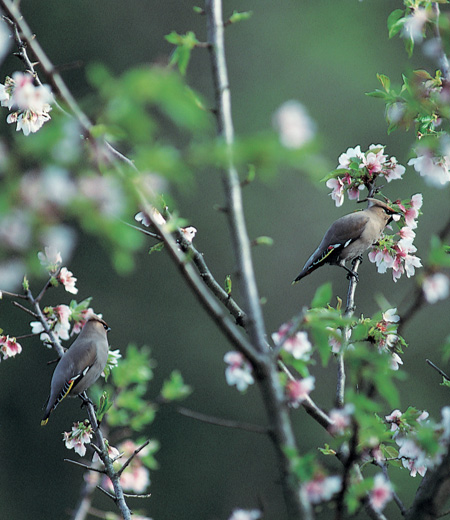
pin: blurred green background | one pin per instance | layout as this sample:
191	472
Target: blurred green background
325	54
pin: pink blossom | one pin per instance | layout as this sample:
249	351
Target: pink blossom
373	162
239	371
341	418
321	488
9	347
434	169
394	419
393	170
413	458
412	213
407	236
297	344
294	124
337	186
297	391
77	439
67	278
245	514
382	258
381	493
435	287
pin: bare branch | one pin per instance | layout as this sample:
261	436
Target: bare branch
128	461
90	468
443	374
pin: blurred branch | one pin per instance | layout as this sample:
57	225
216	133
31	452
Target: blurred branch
443	59
349	310
443	374
218	421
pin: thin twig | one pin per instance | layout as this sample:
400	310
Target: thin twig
107	493
128	461
443	374
90	468
28	311
227	423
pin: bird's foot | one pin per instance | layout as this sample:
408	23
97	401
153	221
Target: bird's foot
359	257
85	400
352	274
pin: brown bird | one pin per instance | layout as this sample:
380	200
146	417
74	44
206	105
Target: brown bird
348	237
81	365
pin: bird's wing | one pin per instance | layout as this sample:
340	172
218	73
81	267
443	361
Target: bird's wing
340	234
70	371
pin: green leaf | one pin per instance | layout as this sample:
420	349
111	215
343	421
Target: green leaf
239	17
438	256
174	389
395	22
156	248
182	54
266	241
228	284
385	82
322	296
104	405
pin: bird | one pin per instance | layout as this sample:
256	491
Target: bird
349	236
81	365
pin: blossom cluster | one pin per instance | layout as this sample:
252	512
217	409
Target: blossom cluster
416	456
396	252
358	170
246	514
78	437
321	488
29	104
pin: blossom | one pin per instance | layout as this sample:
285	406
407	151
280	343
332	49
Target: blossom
435	287
9	347
414	25
341	418
239	371
413	458
394	419
61	327
381	492
321	488
297	391
351	155
294	124
189	233
67	278
104	192
297	344
390	316
31	104
50	259
245	514
337	186
36	328
435	170
393	170
78	438
144	218
412	213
